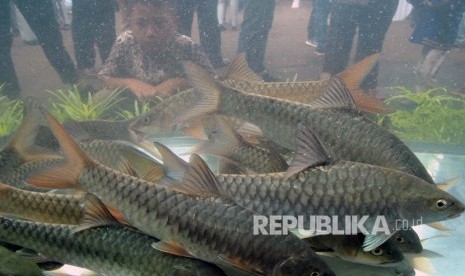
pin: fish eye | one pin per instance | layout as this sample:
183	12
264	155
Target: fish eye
441	204
146	120
377	252
400	239
315	273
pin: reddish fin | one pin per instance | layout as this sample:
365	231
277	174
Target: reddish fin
172	247
368	103
240	264
65	175
354	75
448	184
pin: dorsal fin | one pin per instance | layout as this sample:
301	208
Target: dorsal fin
336	95
239	70
175	167
309	151
95	214
141	165
200	180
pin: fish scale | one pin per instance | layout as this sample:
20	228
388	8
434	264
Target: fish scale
104	249
344	189
344	131
206	226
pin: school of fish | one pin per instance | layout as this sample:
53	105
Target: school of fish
107	197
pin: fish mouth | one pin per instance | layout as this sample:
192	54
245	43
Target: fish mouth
138	135
456	215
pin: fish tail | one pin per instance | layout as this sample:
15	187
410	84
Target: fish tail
23	141
66	174
353	77
208	89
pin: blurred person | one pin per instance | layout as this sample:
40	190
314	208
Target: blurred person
40	17
460	40
93	23
372	18
61	12
436	25
253	37
317	27
233	10
147	58
27	35
209	30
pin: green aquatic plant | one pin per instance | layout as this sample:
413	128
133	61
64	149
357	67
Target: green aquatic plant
11	115
65	105
139	108
432	116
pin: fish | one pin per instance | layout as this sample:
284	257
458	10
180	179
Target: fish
225	142
328	187
239	76
196	221
349	248
13	264
52	207
333	117
112	250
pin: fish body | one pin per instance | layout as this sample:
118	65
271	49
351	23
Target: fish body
342	129
49	207
302	92
102	129
197	221
342	189
112	250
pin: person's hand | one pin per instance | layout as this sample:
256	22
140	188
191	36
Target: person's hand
168	87
142	89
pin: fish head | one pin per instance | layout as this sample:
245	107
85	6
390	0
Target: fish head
407	240
387	254
428	203
151	124
305	266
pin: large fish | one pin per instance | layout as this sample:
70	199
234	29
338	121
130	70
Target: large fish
197	220
112	250
332	117
342	188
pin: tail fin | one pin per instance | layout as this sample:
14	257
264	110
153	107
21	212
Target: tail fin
65	175
209	92
23	140
353	77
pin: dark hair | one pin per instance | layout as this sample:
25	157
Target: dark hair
168	4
